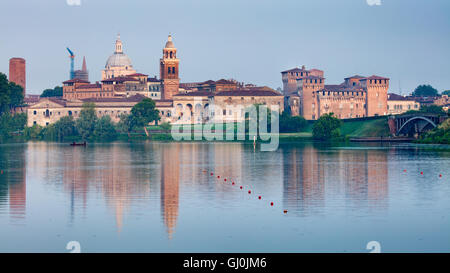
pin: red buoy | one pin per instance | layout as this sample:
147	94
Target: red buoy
232	183
404	171
285	211
259	197
241	187
225	179
271	203
218	176
440	175
2	172
212	174
249	192
421	172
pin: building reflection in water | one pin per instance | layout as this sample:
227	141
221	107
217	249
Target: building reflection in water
13	189
313	174
170	180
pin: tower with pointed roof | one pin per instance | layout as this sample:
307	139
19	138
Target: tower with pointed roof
169	70
82	74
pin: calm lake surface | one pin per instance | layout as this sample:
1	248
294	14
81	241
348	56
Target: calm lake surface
157	197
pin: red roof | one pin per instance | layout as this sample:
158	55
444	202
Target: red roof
121	79
76	81
138	75
248	92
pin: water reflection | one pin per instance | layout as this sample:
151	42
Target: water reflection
13	184
151	184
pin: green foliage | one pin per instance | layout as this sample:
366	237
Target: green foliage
433	109
11	123
34	132
290	124
85	124
165	126
439	135
144	112
60	130
55	92
327	127
446	92
125	125
425	91
104	129
11	95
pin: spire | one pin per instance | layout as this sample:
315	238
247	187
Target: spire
84	67
118	44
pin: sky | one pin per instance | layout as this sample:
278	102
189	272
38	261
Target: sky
251	41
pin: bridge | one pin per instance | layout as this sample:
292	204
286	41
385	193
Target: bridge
414	124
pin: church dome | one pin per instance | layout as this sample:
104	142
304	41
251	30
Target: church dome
118	59
169	43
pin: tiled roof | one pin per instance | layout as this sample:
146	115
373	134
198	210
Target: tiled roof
392	96
135	98
76	81
90	86
249	92
355	77
195	93
137	75
295	70
374	77
121	79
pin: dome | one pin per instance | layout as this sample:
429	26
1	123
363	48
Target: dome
169	43
118	59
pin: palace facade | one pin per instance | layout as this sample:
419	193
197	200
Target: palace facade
307	95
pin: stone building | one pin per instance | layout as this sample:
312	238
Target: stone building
397	104
17	72
356	97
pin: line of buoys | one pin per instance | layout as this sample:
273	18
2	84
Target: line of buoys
259	197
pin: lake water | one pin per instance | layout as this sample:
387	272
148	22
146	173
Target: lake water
161	197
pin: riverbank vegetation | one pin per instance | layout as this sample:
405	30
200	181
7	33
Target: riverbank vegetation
439	135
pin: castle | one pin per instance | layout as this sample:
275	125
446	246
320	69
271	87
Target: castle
307	95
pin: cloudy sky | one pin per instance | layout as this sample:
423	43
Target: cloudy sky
249	40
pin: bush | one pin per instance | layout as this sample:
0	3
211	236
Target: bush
327	127
104	129
289	124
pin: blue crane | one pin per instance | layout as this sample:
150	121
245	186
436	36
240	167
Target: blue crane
72	58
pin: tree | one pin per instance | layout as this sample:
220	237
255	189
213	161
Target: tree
435	109
290	124
65	127
446	92
55	92
12	123
104	128
425	91
125	124
85	124
327	127
144	112
11	95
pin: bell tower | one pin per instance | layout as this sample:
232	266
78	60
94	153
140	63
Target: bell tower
169	65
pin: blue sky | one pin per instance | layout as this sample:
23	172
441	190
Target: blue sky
249	40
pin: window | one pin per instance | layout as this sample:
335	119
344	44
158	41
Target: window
224	112
34	112
34	122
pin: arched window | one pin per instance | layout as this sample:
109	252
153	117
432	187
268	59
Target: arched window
171	54
168	70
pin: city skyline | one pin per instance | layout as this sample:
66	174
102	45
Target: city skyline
248	42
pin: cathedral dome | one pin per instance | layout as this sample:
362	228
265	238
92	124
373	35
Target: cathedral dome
118	59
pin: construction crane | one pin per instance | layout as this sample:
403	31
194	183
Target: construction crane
72	59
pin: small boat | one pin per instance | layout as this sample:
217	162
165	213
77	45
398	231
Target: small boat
78	144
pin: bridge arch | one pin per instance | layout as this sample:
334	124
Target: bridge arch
413	120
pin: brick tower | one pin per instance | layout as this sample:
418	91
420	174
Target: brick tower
169	65
17	73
